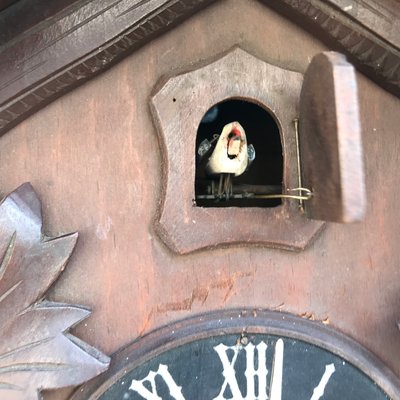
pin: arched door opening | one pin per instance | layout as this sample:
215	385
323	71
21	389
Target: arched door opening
260	136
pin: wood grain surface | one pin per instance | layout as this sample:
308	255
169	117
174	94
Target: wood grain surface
93	157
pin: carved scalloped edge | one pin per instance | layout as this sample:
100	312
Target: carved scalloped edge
78	71
370	53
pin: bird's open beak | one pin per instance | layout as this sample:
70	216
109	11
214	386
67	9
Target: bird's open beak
234	146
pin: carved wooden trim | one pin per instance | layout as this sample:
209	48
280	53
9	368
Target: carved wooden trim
381	17
48	63
35	351
6	3
20	16
372	54
65	51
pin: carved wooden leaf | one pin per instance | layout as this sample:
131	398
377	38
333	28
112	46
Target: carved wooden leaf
36	353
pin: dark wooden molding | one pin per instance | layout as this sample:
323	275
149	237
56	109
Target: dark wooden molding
381	17
28	15
66	50
69	51
376	55
36	352
6	3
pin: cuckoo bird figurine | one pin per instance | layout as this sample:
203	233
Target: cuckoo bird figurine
230	157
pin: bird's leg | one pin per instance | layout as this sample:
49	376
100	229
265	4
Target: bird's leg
226	183
227	186
212	187
227	189
220	186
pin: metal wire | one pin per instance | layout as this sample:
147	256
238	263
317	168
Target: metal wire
302	197
296	129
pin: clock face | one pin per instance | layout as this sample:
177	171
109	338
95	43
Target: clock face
273	356
246	367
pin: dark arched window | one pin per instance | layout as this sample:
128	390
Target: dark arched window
263	175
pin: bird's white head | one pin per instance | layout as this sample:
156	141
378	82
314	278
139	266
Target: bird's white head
230	153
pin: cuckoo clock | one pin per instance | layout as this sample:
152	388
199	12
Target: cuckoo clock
198	200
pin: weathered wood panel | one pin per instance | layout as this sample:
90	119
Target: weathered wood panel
94	159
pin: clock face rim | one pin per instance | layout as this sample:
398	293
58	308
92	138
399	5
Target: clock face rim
239	321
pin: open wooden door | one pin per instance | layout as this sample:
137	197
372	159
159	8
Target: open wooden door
330	140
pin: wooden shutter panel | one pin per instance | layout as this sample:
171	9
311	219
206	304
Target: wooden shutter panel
330	140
